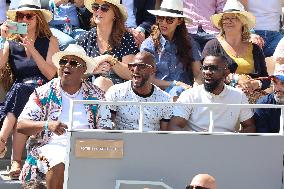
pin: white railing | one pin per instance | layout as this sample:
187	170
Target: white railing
211	121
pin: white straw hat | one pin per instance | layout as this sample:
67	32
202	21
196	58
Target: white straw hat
88	5
75	50
171	8
234	6
30	5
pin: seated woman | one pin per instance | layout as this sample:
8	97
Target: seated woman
29	56
109	40
246	60
46	115
177	56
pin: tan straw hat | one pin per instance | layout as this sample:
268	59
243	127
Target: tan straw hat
171	8
234	6
30	5
88	4
75	50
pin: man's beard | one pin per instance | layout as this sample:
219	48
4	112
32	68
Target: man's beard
210	87
279	99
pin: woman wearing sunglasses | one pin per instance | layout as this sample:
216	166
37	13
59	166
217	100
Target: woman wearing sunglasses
46	116
29	56
109	40
246	60
177	57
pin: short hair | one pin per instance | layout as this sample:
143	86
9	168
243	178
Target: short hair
217	55
148	56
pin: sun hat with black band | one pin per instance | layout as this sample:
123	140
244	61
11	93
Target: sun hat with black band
30	5
75	50
235	7
171	8
88	5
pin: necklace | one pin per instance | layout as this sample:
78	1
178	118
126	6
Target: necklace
72	95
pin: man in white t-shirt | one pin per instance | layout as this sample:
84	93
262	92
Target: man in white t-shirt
213	90
140	89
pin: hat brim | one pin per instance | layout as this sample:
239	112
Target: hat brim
46	13
88	5
165	13
90	62
250	18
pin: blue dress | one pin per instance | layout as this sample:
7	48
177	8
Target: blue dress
27	77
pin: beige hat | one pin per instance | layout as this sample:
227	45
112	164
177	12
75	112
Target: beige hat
171	8
234	6
88	5
75	50
30	5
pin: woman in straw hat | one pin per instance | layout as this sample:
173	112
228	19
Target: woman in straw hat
245	59
109	40
29	56
46	116
178	60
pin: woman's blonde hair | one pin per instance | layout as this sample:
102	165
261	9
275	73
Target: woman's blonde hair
245	29
118	27
42	27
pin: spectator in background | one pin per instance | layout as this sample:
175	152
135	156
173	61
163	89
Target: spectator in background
109	41
139	20
140	89
268	19
29	56
46	116
84	15
200	12
268	119
214	90
176	54
2	11
245	59
278	54
202	181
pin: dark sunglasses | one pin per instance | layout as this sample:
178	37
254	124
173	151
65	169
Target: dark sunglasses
211	68
73	63
169	20
29	16
195	187
139	66
103	7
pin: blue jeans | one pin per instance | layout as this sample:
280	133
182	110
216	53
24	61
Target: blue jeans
271	39
65	39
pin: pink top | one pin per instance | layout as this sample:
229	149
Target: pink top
200	11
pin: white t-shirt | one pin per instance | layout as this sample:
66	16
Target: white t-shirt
267	14
225	118
127	116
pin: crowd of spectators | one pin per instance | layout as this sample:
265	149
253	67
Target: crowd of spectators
185	51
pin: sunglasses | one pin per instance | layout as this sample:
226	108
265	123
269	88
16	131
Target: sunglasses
103	7
195	187
211	68
227	19
141	67
169	20
29	16
73	63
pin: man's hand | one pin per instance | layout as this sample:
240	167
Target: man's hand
57	127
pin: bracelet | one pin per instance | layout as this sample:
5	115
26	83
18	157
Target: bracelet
139	28
174	83
46	126
113	61
2	42
235	80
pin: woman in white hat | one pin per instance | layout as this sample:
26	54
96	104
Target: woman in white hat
110	39
245	59
29	56
46	116
178	60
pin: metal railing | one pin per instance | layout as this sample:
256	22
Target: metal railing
210	106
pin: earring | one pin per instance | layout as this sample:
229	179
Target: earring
114	19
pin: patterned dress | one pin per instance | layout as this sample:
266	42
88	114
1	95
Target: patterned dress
46	104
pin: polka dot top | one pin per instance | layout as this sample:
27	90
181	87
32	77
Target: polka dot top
88	41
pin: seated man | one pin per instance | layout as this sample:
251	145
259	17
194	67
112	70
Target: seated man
202	181
140	89
267	120
46	116
213	90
